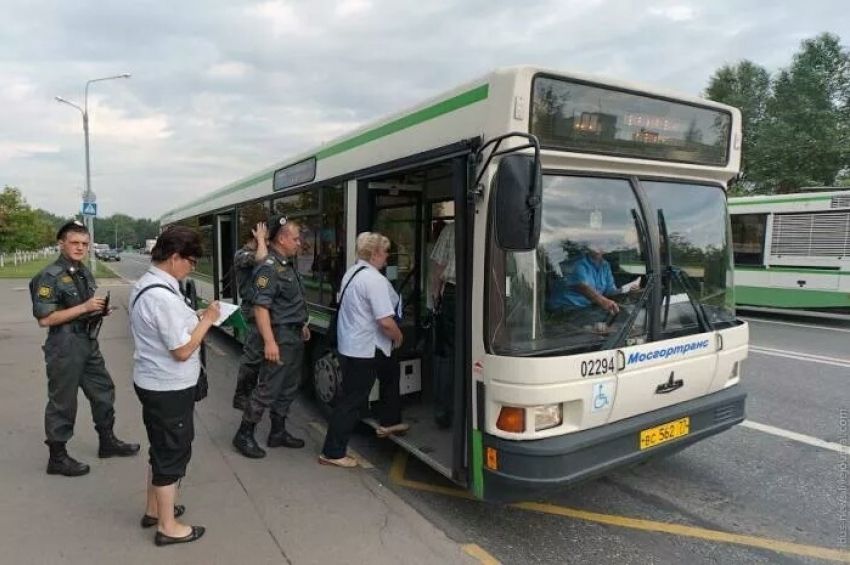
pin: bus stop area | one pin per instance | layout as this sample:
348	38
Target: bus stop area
283	509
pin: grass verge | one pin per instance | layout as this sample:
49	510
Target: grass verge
29	269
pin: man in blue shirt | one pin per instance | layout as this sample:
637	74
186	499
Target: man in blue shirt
590	282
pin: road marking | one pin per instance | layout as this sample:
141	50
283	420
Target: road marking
400	463
792	324
834	361
480	554
787	434
360	459
691	532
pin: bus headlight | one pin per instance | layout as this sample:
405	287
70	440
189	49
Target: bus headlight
549	416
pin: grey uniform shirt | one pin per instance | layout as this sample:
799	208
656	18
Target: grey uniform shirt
60	286
278	288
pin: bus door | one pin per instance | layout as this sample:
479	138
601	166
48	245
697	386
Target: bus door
411	208
225	242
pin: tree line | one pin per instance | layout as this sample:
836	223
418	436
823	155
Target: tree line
796	122
23	228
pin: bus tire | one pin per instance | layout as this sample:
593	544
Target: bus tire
327	380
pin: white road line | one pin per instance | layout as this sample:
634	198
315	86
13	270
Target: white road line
808	440
795	325
834	361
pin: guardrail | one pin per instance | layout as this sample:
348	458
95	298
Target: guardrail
19	257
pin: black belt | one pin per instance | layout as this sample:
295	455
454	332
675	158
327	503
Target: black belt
294	326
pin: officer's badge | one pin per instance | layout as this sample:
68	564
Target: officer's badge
44	291
262	281
67	279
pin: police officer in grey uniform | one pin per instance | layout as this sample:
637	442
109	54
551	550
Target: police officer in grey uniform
281	314
246	259
64	301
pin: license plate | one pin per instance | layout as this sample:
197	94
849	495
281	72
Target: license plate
664	433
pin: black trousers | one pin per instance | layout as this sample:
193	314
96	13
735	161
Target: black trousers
444	351
169	418
74	362
252	357
358	378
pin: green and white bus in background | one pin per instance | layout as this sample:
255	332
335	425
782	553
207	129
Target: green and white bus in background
535	168
792	251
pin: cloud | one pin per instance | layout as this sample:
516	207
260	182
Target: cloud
222	89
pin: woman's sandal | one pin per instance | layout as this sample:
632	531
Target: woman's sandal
345	462
150	521
397	430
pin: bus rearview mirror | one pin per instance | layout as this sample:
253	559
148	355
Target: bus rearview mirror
519	202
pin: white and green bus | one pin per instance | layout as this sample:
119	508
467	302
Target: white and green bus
792	251
535	168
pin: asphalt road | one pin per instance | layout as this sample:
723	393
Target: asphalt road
771	492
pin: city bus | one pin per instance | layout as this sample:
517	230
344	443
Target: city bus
537	170
792	251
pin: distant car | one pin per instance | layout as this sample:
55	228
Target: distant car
110	255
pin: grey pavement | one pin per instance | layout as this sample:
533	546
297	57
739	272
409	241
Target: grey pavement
283	509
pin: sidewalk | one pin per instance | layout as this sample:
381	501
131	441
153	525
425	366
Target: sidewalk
284	509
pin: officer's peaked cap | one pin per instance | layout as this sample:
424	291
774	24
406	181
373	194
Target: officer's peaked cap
76	224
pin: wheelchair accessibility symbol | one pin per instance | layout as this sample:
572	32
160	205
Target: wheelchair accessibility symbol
601	397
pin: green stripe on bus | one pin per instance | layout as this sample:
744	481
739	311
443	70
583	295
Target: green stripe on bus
446	106
771	200
800	270
790	298
477	465
460	101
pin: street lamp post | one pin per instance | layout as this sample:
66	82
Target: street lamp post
85	112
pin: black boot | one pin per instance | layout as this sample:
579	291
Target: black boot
111	446
245	443
279	437
60	463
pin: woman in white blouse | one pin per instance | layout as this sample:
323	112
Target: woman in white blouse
168	334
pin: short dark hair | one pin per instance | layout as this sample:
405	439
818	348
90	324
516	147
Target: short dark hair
184	241
74	226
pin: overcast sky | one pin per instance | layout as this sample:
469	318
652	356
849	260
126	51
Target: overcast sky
222	88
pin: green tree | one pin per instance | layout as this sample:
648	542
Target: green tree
797	123
746	86
21	228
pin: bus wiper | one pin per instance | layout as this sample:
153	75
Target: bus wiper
683	278
616	340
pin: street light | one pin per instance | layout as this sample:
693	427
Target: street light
85	112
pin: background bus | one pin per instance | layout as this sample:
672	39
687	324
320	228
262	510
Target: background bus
534	168
792	251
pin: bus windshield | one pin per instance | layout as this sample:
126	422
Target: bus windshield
585	286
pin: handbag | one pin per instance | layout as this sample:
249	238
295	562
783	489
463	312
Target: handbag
331	336
202	387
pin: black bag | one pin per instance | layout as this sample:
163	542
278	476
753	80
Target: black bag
331	336
202	387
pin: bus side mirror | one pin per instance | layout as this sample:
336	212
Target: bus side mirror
519	202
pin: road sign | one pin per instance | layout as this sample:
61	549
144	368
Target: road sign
89	209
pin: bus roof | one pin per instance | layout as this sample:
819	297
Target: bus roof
459	98
830	198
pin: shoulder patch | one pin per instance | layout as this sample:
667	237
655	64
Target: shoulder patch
44	291
262	281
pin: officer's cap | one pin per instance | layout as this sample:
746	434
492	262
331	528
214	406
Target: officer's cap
77	225
276	222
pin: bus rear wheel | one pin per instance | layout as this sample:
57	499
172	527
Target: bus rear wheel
327	380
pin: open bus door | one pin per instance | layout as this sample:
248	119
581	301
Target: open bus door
406	206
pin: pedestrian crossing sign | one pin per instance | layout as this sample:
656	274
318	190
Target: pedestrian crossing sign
89	209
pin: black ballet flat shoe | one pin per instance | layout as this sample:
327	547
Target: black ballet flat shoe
196	534
149	521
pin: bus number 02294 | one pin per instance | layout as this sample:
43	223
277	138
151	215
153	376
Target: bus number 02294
596	367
